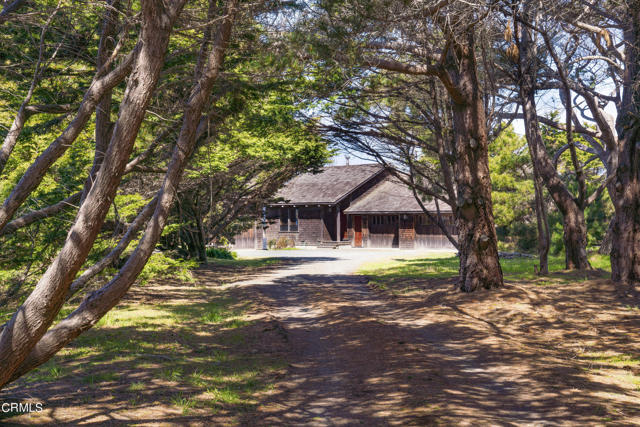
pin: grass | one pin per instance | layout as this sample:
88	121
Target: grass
401	274
617	360
184	403
176	345
136	386
245	262
617	366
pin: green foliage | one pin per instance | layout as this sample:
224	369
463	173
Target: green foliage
161	266
513	193
221	253
597	214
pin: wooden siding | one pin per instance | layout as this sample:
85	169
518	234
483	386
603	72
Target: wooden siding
310	226
383	231
428	235
246	240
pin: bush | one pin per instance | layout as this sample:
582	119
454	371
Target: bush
161	266
221	253
281	243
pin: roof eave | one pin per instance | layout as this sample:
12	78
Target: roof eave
379	212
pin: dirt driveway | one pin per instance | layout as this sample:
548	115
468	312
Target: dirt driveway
361	357
316	344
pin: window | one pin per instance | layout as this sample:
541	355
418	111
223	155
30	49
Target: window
284	219
288	219
293	219
384	219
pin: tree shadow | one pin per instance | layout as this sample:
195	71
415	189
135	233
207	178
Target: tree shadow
361	357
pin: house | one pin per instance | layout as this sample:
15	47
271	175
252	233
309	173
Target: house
353	205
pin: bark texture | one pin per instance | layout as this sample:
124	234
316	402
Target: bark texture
100	302
574	225
115	253
477	239
104	126
625	249
36	314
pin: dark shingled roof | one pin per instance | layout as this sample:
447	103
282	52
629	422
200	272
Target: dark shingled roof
390	196
329	186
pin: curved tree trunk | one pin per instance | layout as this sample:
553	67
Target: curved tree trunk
575	228
31	321
100	302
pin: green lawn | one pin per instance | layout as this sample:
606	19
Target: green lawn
444	264
174	345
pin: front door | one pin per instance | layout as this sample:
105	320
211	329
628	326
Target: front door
357	231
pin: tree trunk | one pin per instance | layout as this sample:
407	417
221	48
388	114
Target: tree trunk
477	239
37	313
575	239
202	247
544	235
607	240
100	302
115	253
104	126
625	250
575	229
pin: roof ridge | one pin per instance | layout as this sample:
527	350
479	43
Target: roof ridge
330	186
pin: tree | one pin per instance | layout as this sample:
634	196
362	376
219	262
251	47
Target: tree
601	46
512	178
403	125
27	339
435	39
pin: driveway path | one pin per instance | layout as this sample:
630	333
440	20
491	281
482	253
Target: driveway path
358	357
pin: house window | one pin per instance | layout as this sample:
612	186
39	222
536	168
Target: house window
293	219
284	219
384	219
288	219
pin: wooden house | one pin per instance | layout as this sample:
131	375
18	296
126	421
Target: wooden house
353	205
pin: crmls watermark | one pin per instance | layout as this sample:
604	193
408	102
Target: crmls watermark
21	407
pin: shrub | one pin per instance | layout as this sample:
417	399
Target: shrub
160	266
221	253
285	242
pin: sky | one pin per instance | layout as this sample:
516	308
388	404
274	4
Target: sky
546	103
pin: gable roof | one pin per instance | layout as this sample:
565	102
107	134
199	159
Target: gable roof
390	196
329	186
